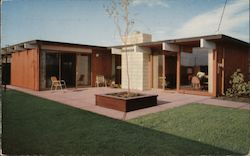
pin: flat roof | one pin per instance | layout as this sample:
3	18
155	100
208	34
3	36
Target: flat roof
56	42
178	41
46	42
188	40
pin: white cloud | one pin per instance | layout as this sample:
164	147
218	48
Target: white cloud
235	22
150	3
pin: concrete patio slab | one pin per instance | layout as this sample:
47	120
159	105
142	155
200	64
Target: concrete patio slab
84	98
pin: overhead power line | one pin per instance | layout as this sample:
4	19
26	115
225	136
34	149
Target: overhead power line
218	29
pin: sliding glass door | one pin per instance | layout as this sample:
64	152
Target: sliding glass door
61	65
158	71
196	70
52	67
83	70
68	68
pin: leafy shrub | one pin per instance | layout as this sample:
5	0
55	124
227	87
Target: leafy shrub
238	85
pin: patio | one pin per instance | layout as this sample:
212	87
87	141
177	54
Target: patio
84	98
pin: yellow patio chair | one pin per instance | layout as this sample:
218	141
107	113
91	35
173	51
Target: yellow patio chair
57	83
100	80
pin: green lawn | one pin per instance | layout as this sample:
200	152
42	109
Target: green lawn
33	125
236	99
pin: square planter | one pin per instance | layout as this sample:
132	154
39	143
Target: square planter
126	104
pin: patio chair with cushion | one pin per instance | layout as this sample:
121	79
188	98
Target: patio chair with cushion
203	80
57	83
100	80
196	82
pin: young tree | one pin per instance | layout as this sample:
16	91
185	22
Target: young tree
119	11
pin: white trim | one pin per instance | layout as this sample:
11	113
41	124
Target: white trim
170	47
116	51
207	44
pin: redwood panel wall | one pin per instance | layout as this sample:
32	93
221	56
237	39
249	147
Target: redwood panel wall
235	56
101	64
248	63
24	69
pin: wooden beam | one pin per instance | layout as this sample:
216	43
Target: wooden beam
66	49
186	48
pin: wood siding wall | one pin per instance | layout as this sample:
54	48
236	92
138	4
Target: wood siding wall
25	69
235	56
101	64
248	63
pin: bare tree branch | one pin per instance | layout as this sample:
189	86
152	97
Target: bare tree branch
120	14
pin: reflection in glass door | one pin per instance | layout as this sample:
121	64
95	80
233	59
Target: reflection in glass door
52	67
83	70
68	68
158	71
63	66
196	70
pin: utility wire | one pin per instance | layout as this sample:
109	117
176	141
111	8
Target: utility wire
218	29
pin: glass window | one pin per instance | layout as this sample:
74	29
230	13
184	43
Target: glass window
194	70
52	67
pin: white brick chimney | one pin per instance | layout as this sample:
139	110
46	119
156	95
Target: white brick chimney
138	58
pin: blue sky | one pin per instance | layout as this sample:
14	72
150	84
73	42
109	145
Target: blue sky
86	22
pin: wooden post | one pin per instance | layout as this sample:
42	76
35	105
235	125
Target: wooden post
223	73
214	73
59	62
77	70
163	72
38	69
178	73
5	70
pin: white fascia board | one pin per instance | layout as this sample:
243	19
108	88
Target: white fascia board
18	48
170	47
129	49
142	49
116	51
29	46
207	44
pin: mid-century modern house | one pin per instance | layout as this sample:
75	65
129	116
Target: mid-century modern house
197	65
176	63
34	62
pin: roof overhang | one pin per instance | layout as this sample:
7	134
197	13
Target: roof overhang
51	45
213	38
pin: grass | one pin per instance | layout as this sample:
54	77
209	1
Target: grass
32	125
216	126
236	99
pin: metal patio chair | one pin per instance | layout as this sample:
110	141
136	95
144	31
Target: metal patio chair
57	83
100	80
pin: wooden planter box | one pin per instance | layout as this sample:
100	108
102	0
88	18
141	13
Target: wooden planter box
126	104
